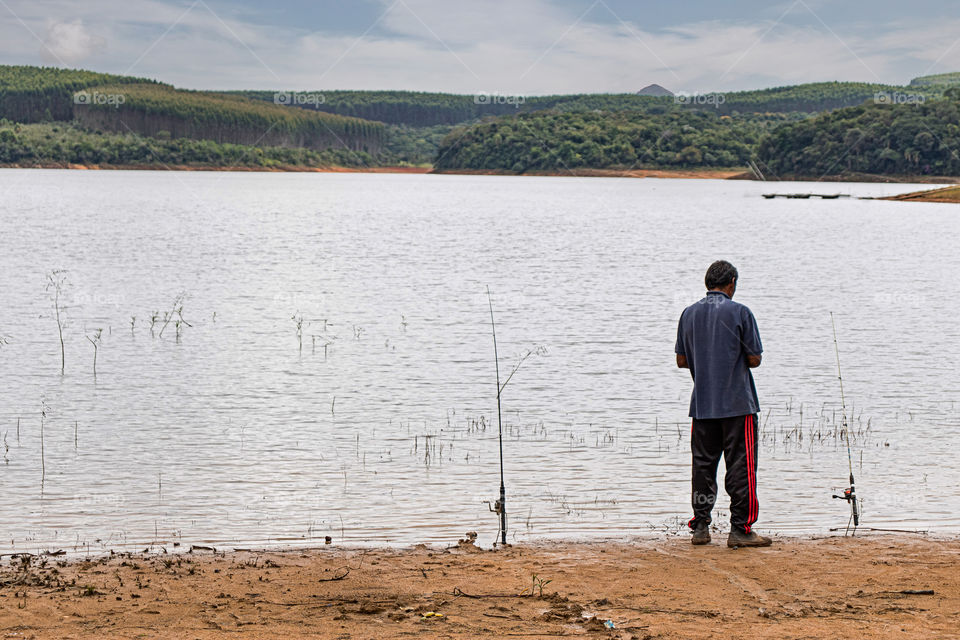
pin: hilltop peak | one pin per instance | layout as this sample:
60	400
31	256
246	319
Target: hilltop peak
654	90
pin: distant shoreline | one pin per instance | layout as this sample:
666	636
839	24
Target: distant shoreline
694	174
182	167
709	174
945	195
689	174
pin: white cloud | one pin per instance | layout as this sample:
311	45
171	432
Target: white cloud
529	47
70	42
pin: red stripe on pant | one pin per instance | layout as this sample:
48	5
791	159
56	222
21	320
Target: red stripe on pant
753	510
693	519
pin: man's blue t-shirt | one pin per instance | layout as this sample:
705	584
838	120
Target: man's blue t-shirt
716	335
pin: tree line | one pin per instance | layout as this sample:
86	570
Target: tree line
150	109
804	130
44	94
906	139
555	140
938	79
64	143
422	109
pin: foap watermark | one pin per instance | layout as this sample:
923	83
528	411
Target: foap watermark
299	99
89	500
895	97
700	99
704	499
901	299
82	298
683	299
917	300
100	99
890	501
496	98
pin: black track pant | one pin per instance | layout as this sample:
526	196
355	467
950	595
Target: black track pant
736	440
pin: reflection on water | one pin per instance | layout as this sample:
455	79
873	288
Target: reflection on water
332	370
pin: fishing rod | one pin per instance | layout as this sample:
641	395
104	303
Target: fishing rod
850	493
501	505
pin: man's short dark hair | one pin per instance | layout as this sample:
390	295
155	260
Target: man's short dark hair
720	274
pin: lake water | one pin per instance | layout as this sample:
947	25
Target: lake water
381	429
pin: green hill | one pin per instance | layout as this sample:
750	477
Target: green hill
906	139
416	109
921	138
795	129
553	140
62	144
35	94
420	109
807	98
940	79
153	110
120	104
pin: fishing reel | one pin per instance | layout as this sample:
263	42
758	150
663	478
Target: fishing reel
850	495
495	507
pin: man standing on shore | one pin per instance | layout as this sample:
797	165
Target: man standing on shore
718	341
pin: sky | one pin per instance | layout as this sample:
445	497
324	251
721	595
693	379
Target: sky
511	47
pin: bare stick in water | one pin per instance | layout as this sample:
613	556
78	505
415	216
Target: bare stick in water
95	341
176	310
43	463
298	320
55	280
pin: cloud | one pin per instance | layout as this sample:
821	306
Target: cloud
529	47
70	43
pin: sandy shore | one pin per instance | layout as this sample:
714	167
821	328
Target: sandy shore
713	174
863	587
692	174
947	194
870	178
699	174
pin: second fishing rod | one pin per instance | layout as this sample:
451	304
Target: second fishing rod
850	493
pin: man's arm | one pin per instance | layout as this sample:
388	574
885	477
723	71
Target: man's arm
750	339
679	349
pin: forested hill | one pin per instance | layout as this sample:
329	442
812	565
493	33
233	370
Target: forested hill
50	115
881	138
35	94
152	111
561	141
810	98
939	79
411	108
418	109
906	139
120	104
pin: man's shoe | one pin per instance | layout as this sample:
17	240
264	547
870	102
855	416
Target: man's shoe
739	538
701	535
